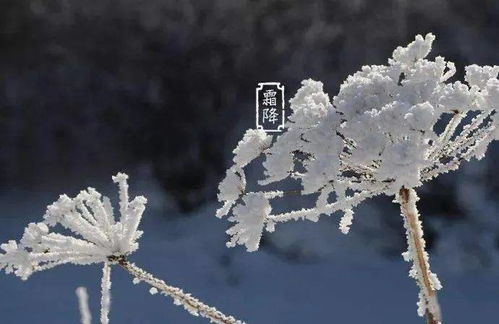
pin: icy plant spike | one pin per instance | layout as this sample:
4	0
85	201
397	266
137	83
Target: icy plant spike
95	236
390	127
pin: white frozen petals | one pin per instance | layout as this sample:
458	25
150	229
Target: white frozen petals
479	75
456	97
95	234
310	90
254	142
250	219
415	51
421	116
309	104
153	291
492	93
130	224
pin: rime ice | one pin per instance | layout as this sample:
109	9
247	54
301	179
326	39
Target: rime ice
376	136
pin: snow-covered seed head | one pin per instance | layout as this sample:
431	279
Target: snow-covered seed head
91	232
390	126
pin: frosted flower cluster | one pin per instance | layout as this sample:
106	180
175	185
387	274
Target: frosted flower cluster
390	126
389	129
92	234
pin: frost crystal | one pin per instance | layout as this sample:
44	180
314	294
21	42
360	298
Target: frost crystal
389	127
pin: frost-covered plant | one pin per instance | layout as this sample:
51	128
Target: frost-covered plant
89	233
389	129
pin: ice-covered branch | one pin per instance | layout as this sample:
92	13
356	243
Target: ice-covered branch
181	298
313	213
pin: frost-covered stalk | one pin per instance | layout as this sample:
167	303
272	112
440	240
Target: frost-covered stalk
85	315
427	281
105	301
389	127
93	236
191	304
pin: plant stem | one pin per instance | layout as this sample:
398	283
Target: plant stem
416	248
191	304
106	293
430	319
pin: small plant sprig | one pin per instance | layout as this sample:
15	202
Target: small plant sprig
94	236
388	130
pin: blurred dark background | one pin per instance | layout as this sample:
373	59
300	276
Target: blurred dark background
164	89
